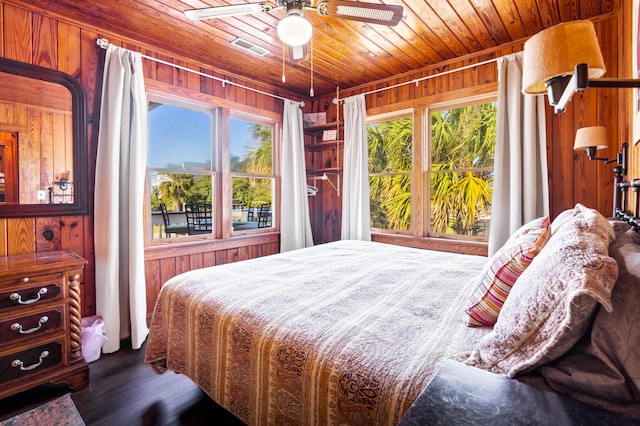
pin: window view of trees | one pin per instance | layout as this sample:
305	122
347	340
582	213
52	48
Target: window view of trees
459	174
390	163
250	159
462	152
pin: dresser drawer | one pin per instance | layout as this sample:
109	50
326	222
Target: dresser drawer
30	361
31	292
16	328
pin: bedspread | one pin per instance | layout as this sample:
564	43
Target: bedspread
348	332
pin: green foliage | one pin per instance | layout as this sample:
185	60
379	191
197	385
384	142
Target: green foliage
462	138
390	151
258	161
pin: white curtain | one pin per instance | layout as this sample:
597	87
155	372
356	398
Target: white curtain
295	222
520	188
355	193
119	198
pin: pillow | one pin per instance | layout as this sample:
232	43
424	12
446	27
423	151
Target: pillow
561	219
552	303
604	368
503	269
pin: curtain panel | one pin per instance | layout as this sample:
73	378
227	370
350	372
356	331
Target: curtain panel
295	232
356	223
119	200
521	186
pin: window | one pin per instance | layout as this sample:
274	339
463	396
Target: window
210	170
252	178
460	171
452	164
390	165
180	168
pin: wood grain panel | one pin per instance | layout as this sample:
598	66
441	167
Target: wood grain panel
47	234
45	52
21	232
17	33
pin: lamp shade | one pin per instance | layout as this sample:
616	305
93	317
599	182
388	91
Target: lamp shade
557	50
587	137
294	30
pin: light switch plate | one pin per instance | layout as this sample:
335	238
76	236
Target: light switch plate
41	194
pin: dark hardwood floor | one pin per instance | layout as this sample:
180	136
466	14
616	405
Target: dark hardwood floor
125	391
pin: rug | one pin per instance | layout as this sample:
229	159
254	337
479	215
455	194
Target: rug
59	412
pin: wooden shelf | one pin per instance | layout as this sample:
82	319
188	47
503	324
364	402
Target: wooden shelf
323	145
319	172
320	127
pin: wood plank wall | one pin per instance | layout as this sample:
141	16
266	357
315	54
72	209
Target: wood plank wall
572	177
34	38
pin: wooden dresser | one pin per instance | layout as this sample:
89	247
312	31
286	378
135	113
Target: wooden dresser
40	330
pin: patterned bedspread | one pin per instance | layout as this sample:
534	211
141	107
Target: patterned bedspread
348	332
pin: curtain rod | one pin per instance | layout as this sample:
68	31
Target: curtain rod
417	81
104	43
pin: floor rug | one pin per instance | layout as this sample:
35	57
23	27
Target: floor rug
59	412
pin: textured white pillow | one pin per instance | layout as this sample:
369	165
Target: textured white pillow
552	303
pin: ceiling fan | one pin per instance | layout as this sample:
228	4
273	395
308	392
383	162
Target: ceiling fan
294	30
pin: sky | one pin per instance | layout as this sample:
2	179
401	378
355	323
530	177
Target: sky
178	135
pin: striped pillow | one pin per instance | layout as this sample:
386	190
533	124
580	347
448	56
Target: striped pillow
503	269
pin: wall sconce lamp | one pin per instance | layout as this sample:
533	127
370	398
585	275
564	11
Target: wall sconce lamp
563	60
594	138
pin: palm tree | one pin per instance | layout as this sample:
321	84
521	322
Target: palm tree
257	161
462	138
390	155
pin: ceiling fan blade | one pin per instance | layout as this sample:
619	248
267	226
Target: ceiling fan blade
225	11
373	13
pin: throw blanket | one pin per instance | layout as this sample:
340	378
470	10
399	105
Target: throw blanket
348	332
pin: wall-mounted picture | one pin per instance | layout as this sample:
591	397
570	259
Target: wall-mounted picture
314	119
329	135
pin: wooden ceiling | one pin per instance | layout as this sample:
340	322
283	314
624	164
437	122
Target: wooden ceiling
345	53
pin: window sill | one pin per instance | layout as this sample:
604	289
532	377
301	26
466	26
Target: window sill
195	247
439	244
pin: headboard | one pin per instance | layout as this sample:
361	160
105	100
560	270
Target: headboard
626	206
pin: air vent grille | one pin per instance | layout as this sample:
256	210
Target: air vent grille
250	47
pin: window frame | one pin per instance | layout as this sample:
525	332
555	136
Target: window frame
421	163
247	117
389	116
221	111
427	157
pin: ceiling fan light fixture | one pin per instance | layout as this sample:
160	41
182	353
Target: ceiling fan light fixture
294	30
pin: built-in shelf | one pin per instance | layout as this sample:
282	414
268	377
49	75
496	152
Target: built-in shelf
323	145
320	172
319	127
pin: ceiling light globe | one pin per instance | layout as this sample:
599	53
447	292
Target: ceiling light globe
294	30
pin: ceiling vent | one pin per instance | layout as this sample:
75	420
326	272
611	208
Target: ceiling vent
250	47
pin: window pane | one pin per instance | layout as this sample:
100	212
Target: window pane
390	201
390	145
461	203
250	149
463	137
179	138
174	191
252	203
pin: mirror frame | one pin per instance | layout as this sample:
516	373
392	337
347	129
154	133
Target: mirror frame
80	206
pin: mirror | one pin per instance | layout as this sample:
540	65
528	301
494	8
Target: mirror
43	142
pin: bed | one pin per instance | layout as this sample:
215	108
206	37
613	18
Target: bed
350	332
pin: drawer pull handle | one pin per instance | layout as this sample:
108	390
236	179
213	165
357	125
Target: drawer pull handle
18	327
25	280
18	298
18	363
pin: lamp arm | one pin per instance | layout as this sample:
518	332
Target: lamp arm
580	81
